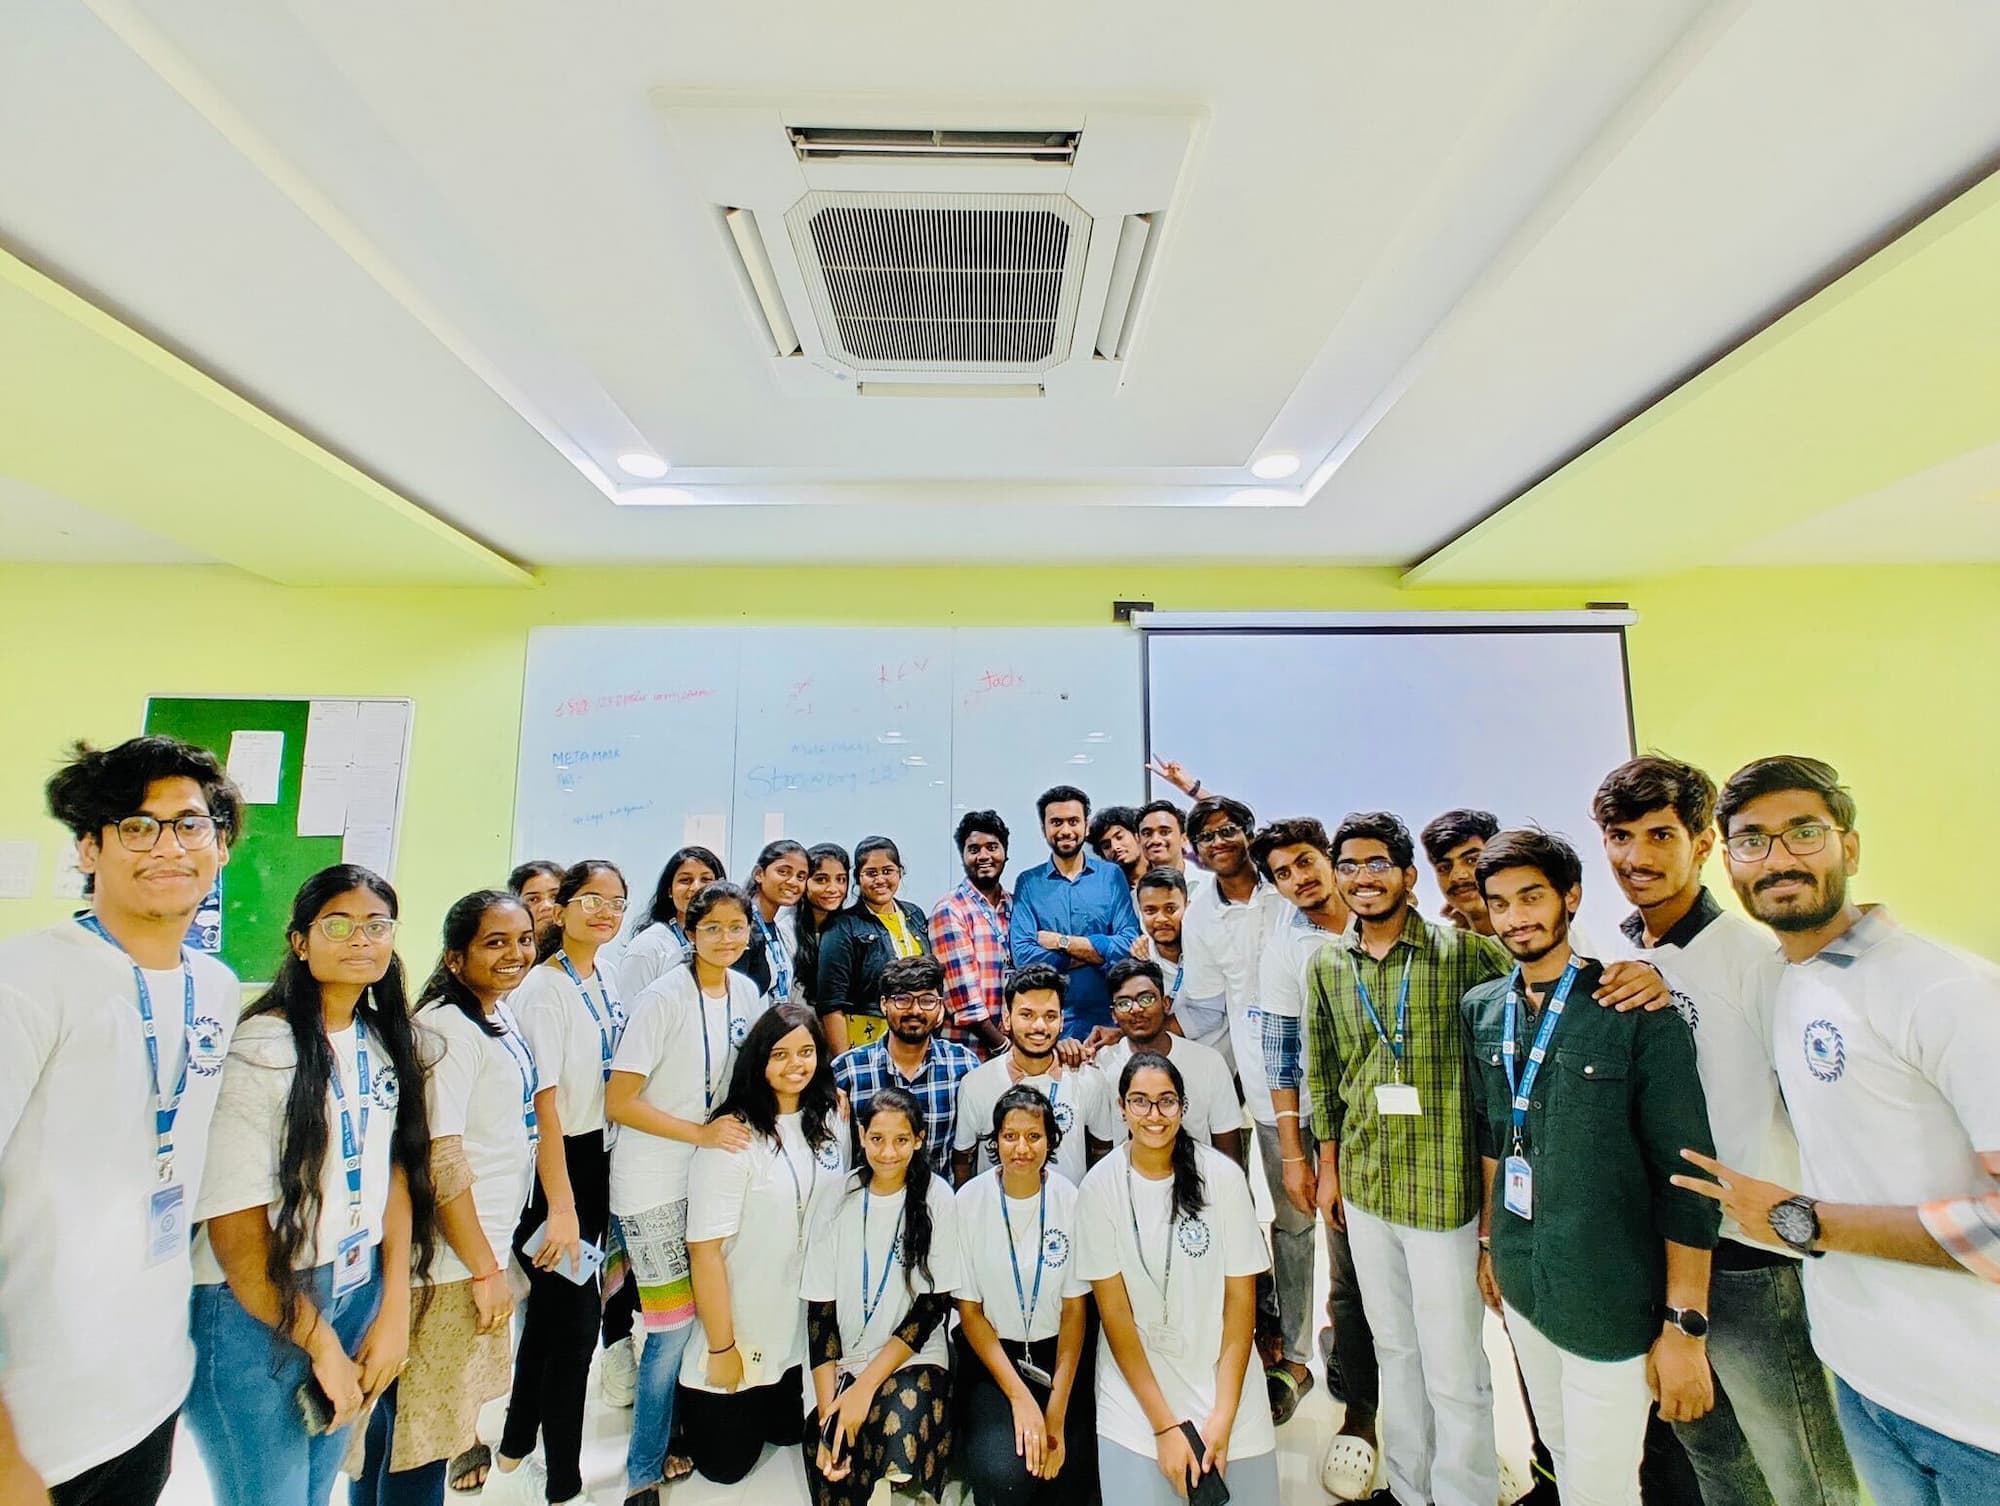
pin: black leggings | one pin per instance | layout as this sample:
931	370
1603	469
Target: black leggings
559	1331
133	1478
726	1431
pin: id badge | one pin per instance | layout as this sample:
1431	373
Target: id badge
1519	1187
1165	1341
1035	1375
350	1263
166	1223
1397	1098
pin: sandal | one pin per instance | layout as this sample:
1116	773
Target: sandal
1349	1468
1285	1391
477	1460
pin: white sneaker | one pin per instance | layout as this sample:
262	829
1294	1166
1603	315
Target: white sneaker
526	1484
618	1373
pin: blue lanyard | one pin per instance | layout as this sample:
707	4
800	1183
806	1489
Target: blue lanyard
991	912
868	1308
350	1144
774	951
606	1023
1030	1305
524	1063
1551	1012
166	1106
674	928
1395	1042
728	1031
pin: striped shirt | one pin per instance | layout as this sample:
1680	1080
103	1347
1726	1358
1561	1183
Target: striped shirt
1420	1170
1968	1230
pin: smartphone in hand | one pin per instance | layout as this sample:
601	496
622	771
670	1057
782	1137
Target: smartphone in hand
1208	1489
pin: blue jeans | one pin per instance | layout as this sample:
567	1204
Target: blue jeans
1904	1463
1773	1436
381	1486
653	1406
243	1407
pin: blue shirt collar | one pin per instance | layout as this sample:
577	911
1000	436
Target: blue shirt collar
1875	926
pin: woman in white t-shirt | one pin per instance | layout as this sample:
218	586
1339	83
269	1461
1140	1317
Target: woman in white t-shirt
672	1069
1170	1243
662	942
317	1193
879	1275
1021	1317
570	1014
750	1212
777	882
480	1088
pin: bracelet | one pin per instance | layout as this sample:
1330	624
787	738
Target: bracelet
725	1348
1193	794
1162	1432
489	1275
1294	1160
1288	1113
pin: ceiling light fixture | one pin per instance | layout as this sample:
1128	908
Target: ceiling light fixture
1275	466
646	467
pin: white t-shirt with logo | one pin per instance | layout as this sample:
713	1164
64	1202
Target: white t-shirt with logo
684	1046
97	1347
751	1201
1888	1047
1281	982
1082	1103
1044	1238
243	1141
1222	947
473	1090
1211	1108
647	958
1183	1302
834	1270
568	1042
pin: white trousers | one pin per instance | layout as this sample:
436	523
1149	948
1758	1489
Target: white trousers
1420	1289
1591	1413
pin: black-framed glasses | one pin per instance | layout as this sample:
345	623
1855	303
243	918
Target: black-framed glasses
1139	1106
343	927
1229	831
1348	867
916	1001
1129	1003
1801	841
141	833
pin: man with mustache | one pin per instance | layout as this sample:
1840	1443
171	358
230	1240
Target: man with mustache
1084	1109
1163	843
1073	912
1772	1436
969	934
1887	1045
1452	843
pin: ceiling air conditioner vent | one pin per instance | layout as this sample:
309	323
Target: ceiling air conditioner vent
852	143
953	281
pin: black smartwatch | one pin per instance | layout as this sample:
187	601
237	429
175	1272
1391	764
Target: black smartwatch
1796	1222
1691	1321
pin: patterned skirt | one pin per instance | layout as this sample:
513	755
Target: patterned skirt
656	1250
907	1435
453	1372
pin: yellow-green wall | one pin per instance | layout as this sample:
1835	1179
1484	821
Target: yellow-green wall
1887	672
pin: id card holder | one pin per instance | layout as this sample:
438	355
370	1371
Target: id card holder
1518	1187
1165	1341
1397	1098
350	1263
166	1223
1032	1373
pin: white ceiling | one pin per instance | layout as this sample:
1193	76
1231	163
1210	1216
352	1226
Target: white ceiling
1440	245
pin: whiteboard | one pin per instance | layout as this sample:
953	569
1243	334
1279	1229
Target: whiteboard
1300	722
636	740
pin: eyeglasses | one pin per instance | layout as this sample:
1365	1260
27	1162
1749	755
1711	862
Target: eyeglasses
715	930
1166	1106
1801	841
142	833
1348	867
1227	832
1132	1003
343	927
595	904
915	1001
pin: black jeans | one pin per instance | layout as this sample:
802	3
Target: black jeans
135	1478
559	1332
726	1433
994	1473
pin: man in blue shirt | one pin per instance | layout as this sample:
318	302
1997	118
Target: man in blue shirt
1073	912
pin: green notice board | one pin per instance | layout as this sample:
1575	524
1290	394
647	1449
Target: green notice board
269	860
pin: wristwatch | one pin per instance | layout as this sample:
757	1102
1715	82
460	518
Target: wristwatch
1796	1222
1691	1321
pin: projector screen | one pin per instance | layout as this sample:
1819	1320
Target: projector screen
1519	720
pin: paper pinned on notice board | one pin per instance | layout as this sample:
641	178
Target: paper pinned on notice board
255	761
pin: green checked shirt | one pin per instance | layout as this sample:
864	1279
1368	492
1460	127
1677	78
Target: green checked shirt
1419	1171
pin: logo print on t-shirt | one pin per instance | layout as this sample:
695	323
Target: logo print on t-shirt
1055	1248
385	1090
1065	1117
1192	1232
738	1029
1685	1008
1826	1052
828	1155
205	1046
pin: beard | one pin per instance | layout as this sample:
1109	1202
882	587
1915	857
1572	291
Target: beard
1831	892
1540	949
910	1031
1065	845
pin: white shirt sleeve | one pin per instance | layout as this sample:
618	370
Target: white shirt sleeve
1098	1257
242	1169
820	1281
718	1182
946	1265
652	952
453	1072
1218	1098
1281	977
1952	1035
648	1025
968	1122
1243	1252
1201	973
1100	1114
30	1026
538	1007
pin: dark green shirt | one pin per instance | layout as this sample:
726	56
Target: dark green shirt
1616	1101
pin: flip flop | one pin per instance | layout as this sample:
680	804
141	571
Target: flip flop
478	1457
1285	1391
1349	1468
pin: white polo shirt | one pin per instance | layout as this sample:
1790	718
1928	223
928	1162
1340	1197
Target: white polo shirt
1222	947
1888	1048
1211	1092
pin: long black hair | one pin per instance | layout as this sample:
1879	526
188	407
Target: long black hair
533	869
806	954
304	1138
549	941
916	1182
750	1096
661	911
461	925
1190	1193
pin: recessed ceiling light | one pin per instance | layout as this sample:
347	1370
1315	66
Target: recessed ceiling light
651	468
1275	466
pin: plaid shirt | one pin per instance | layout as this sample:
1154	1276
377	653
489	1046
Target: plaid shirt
969	936
1420	1171
1968	1230
864	1073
